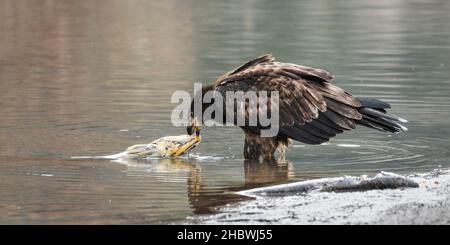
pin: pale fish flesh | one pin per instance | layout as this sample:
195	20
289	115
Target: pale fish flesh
168	146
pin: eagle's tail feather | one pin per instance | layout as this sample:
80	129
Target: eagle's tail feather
374	115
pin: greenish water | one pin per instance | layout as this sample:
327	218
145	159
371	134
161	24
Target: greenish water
93	77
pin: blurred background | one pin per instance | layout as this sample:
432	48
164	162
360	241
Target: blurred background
93	77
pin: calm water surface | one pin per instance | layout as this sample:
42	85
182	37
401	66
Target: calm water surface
93	77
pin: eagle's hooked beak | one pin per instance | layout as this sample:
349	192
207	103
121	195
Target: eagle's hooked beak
195	139
188	146
194	127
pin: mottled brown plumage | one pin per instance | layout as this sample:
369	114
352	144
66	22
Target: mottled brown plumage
311	109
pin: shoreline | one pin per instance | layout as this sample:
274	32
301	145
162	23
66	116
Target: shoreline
427	204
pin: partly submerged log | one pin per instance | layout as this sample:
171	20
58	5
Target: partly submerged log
383	180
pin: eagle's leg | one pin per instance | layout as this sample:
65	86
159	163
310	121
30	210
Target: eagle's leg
283	145
282	151
259	148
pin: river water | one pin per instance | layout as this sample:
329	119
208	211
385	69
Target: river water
94	77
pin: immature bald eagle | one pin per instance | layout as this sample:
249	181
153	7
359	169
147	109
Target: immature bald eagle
311	109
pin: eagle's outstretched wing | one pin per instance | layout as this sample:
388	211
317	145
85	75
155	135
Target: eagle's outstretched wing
311	109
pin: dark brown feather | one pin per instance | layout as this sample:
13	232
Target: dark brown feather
343	109
338	94
308	73
261	59
341	121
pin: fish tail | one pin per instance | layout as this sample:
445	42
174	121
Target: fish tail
107	157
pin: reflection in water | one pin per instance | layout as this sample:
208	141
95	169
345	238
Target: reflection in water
256	174
267	172
201	199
